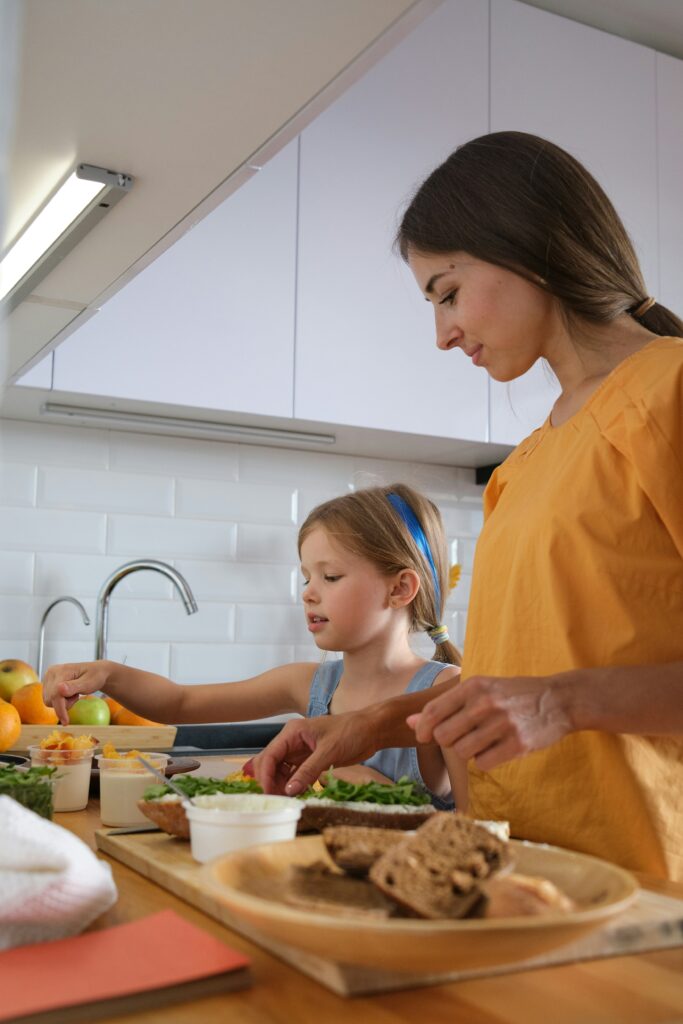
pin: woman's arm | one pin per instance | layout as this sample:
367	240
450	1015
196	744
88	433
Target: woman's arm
275	692
302	750
495	720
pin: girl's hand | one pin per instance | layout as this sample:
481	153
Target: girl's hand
494	720
64	684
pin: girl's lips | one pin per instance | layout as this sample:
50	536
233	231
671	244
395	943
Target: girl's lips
316	623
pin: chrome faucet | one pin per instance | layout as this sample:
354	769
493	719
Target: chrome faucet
102	622
41	638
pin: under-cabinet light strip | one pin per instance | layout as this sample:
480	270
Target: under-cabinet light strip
177	425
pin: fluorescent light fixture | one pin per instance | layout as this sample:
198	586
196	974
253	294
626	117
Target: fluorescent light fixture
184	427
82	199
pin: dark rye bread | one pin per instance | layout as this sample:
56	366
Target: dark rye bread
436	872
169	815
355	848
317	815
318	888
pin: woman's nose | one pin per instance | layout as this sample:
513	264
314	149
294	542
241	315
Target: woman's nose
447	333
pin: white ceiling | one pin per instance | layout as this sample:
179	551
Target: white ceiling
654	23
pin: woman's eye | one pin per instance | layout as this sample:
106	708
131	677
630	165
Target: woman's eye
449	299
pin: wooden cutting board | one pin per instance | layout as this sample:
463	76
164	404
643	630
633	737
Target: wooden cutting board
653	922
124	737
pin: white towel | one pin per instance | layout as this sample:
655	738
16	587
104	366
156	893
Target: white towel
51	884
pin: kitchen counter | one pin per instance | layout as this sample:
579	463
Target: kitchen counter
645	988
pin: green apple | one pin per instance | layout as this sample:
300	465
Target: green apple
13	675
89	711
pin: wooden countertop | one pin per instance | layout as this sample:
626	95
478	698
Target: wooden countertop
641	989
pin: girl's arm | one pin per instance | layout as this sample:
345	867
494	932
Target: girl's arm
496	719
441	773
280	690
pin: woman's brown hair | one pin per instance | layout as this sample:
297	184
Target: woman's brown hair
367	523
523	203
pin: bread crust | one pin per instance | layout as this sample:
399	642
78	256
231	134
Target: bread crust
169	815
316	816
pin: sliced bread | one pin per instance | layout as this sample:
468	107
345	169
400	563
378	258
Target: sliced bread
169	815
355	848
318	888
319	814
436	872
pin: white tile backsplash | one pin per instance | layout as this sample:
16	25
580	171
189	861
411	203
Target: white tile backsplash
106	491
18	483
225	515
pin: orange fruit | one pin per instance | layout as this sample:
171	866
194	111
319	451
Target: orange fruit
126	717
113	706
10	725
32	710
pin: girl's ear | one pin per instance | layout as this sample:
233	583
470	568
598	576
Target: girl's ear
404	588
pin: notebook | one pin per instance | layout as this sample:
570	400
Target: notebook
157	960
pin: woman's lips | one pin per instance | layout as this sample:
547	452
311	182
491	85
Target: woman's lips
476	355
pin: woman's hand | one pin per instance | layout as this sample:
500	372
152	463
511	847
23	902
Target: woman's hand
306	747
63	684
494	720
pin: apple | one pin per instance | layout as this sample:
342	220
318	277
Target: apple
13	675
89	711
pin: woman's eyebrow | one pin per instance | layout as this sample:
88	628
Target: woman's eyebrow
432	281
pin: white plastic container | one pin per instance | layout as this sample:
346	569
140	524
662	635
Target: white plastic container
123	780
72	780
224	822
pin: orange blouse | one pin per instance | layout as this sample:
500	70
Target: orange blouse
579	565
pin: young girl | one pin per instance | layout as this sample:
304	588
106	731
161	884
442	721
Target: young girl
375	570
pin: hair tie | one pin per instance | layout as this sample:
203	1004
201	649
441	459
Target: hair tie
417	533
642	308
439	634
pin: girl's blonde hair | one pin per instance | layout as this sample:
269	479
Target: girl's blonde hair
368	524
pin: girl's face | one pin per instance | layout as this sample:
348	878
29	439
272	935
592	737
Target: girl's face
346	598
503	322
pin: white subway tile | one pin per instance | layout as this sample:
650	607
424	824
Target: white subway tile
104	491
64	652
256	543
50	444
19	618
16	572
462	522
17	484
287	466
38	529
235	502
432	480
149	657
467	491
273	624
83	575
17	650
462	553
180	456
239	581
216	663
459	597
309	652
165	621
310	497
165	538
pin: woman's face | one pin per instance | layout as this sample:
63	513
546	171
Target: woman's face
503	322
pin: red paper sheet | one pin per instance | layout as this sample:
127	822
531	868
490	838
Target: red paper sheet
154	952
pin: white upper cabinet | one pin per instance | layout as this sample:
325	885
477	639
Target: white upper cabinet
365	351
210	323
593	94
670	137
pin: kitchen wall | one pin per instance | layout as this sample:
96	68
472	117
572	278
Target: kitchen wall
76	503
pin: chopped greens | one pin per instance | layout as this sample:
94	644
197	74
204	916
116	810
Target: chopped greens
30	787
405	791
198	785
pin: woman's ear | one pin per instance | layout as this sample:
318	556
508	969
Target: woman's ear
404	588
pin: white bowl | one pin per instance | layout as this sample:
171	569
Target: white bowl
224	822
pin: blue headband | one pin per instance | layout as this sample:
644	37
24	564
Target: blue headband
417	533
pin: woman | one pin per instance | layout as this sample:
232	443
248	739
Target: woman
570	712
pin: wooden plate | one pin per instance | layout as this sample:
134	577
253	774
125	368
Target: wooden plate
124	737
176	766
250	882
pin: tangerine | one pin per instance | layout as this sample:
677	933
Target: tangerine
10	725
113	706
126	717
32	709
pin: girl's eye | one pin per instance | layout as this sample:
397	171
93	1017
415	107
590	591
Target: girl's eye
305	582
332	579
449	299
